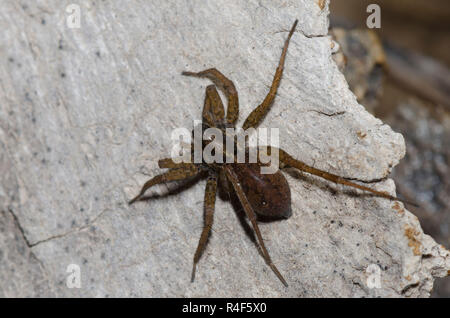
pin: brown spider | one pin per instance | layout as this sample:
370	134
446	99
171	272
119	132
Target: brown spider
262	195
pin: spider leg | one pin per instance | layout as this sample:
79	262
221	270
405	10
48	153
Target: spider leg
252	217
184	172
209	204
169	163
226	86
287	161
213	111
258	114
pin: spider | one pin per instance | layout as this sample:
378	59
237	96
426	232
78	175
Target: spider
260	195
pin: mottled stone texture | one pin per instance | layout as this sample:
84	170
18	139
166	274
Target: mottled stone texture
85	114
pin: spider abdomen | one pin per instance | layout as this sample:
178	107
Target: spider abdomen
268	194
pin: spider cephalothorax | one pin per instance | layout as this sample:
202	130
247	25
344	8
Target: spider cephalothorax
264	195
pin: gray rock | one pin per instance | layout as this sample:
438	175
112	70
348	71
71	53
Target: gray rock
86	113
22	274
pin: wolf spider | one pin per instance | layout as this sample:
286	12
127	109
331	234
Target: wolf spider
262	195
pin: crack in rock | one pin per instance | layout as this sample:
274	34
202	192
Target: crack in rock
52	237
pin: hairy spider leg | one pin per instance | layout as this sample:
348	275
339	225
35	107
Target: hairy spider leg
287	160
260	112
209	204
169	163
183	172
226	86
213	111
252	217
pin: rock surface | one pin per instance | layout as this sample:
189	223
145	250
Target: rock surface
87	112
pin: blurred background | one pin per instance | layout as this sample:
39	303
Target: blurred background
401	74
